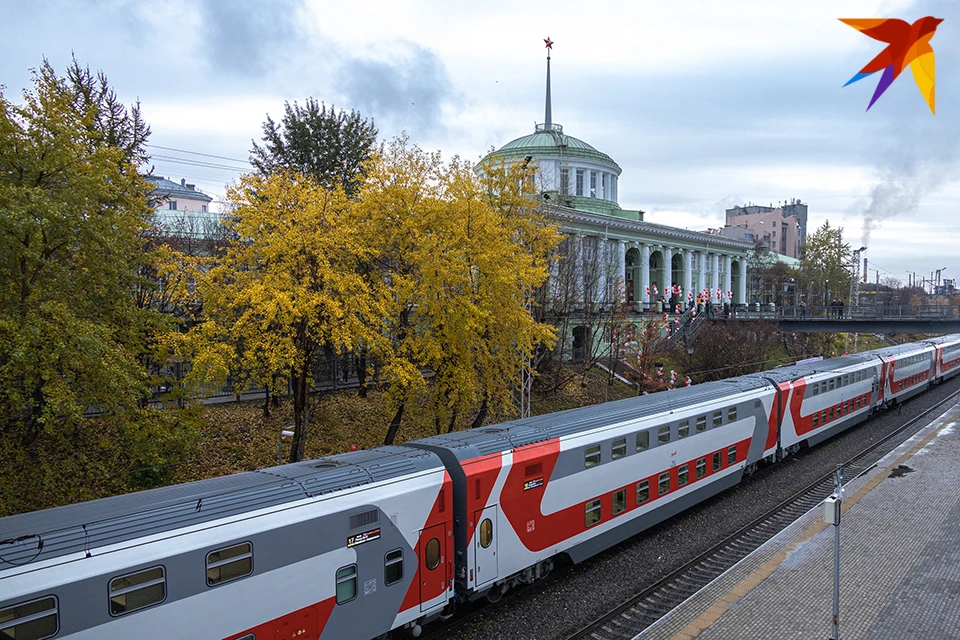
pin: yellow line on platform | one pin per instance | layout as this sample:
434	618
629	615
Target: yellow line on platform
715	611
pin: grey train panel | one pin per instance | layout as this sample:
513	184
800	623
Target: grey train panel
56	532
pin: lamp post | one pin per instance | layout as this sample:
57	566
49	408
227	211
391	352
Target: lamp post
284	433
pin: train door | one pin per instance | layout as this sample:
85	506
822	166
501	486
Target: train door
485	544
432	558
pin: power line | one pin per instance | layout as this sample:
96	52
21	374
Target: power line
197	153
198	163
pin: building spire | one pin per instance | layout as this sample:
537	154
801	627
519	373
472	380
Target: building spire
548	121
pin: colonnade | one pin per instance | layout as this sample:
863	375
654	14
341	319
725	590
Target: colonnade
601	263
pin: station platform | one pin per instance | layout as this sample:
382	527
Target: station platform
899	560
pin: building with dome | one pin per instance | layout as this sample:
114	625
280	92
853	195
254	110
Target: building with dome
614	252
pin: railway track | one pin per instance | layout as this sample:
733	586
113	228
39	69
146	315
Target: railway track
642	610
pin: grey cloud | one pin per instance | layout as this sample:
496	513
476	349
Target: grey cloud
243	37
409	90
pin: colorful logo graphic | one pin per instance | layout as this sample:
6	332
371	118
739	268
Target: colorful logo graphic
907	44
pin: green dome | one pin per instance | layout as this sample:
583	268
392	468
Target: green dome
553	143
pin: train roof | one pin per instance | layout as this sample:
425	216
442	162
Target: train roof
953	337
517	433
795	371
87	525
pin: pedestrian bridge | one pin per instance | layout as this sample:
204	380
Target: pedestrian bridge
858	319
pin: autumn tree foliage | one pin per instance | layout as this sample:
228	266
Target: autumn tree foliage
825	274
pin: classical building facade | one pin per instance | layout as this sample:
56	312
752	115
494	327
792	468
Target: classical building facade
613	252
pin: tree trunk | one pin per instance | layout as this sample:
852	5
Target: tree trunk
301	392
266	402
481	415
360	360
453	422
394	425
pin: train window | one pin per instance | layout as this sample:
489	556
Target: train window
846	379
831	384
683	475
486	532
831	413
816	422
591	456
619	448
663	436
137	590
619	501
823	417
717	461
717	418
393	566
731	454
731	414
592	515
701	424
347	582
683	429
701	467
643	491
857	401
813	389
643	441
663	483
249	636
433	554
228	564
30	620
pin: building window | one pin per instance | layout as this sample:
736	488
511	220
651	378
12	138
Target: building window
347	583
172	205
663	437
591	456
643	491
619	501
32	620
683	430
393	567
592	515
203	208
593	184
588	246
643	440
579	182
663	485
683	474
137	591
619	448
228	564
565	181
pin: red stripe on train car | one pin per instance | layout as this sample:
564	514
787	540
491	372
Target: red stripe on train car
440	514
777	412
481	474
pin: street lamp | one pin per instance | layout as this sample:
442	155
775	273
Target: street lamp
284	433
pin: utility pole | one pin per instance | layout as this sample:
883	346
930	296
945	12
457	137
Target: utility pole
831	515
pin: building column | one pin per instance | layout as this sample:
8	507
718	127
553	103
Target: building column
742	293
578	288
687	274
702	258
729	279
715	278
601	268
667	270
621	281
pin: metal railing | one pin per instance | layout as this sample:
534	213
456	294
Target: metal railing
860	312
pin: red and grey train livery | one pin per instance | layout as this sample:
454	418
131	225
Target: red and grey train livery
359	545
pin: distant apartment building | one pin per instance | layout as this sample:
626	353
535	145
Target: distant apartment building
179	204
782	229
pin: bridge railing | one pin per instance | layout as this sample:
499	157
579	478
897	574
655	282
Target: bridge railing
860	312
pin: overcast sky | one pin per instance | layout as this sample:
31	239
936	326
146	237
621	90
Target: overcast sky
703	104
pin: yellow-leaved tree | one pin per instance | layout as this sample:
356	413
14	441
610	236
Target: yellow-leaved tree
287	285
458	259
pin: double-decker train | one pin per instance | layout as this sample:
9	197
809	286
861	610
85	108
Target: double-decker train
365	544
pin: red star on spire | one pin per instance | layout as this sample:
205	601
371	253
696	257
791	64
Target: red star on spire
549	43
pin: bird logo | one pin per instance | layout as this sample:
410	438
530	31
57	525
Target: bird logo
907	44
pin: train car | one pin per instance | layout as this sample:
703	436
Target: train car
346	547
947	358
821	399
906	370
574	483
